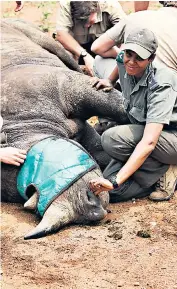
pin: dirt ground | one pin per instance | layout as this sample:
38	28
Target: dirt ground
111	254
108	255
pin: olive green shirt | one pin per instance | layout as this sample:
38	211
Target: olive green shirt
109	13
153	99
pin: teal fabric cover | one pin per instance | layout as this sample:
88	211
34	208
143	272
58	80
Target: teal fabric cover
51	166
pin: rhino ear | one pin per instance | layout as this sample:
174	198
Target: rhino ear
31	204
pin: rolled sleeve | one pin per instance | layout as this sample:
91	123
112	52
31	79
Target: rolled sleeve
117	32
160	105
64	19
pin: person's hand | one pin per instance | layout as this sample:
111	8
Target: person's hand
99	185
104	84
89	60
12	156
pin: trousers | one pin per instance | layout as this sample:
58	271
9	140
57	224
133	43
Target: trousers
120	141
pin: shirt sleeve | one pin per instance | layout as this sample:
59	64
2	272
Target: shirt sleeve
117	32
64	19
115	11
160	105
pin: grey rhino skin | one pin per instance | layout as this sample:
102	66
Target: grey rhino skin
44	94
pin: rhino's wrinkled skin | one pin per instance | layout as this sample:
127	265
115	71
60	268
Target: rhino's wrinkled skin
45	94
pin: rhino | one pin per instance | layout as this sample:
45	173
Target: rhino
45	95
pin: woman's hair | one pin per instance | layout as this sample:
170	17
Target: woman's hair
81	10
152	56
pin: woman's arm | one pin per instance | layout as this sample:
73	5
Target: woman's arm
143	149
106	84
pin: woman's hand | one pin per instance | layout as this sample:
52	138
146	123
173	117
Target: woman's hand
12	156
99	185
104	84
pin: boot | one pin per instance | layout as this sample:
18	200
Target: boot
165	187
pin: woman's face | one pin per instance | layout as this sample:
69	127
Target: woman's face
134	64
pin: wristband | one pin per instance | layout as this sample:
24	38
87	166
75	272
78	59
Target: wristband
83	54
115	185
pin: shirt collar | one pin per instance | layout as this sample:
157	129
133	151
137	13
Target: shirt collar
149	71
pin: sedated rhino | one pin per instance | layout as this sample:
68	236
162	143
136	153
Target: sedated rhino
45	96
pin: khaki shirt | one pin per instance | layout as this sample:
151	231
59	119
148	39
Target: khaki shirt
110	12
154	98
162	22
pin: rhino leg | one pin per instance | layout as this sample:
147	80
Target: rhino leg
91	141
9	191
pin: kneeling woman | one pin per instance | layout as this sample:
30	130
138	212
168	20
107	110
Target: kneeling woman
144	152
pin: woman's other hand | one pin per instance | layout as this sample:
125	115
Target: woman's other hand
104	84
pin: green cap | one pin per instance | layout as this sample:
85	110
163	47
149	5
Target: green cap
142	41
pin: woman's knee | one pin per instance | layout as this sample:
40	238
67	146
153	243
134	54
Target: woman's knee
166	148
120	141
103	66
122	135
106	140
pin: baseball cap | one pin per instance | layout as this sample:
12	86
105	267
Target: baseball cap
142	41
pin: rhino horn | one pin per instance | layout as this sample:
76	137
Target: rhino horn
31	204
59	213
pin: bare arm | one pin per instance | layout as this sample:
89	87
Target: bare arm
105	47
143	149
141	5
114	75
106	84
75	48
69	42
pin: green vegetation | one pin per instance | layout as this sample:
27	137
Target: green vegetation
46	8
43	13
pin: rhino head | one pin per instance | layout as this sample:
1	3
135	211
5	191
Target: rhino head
55	178
77	204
